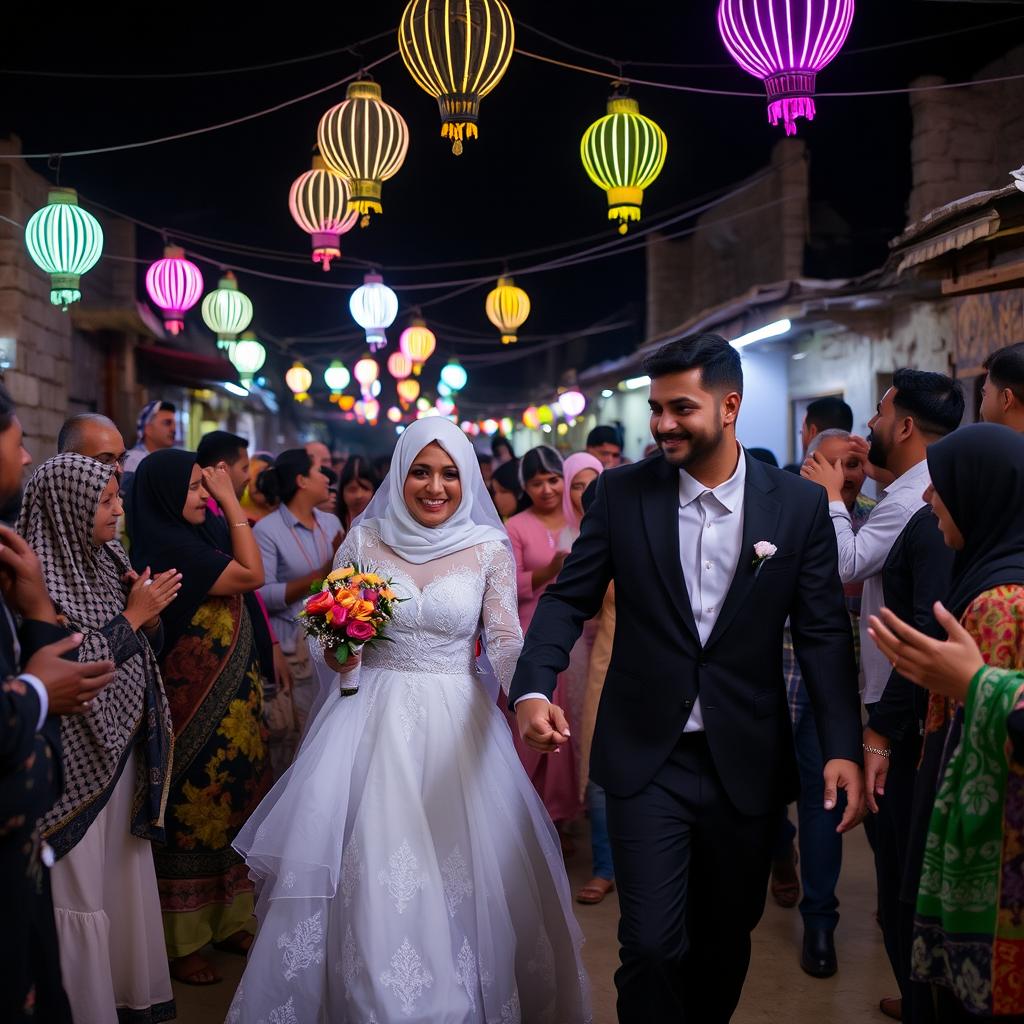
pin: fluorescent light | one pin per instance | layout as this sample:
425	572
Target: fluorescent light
636	382
770	331
607	393
235	389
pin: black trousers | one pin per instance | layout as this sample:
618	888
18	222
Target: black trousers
692	874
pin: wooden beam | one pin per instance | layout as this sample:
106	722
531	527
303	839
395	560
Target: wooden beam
980	279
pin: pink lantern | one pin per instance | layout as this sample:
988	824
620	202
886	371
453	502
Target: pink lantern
572	402
399	365
366	371
785	43
175	285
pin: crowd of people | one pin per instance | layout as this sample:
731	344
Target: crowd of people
176	760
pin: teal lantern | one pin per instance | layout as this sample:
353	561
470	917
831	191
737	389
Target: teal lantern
65	241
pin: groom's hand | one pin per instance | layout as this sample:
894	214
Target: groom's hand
542	725
848	775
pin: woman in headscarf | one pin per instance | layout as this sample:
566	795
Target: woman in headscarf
408	870
116	759
212	674
963	873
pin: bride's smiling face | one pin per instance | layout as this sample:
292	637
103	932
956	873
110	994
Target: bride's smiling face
433	490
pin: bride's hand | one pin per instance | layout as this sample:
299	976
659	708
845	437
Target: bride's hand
351	663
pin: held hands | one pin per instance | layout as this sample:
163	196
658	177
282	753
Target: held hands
219	485
149	596
945	667
70	685
21	578
847	775
542	725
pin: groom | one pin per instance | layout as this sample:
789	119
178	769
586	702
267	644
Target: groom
693	744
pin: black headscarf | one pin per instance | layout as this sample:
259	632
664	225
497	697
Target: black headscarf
978	472
163	540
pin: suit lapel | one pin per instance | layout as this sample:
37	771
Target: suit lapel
660	505
760	521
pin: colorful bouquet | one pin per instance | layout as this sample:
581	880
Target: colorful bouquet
349	609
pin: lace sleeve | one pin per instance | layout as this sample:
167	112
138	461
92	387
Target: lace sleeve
352	549
502	634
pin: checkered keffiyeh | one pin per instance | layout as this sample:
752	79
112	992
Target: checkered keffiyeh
84	582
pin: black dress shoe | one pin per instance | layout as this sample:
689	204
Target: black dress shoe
818	956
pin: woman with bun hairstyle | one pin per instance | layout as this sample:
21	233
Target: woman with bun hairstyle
357	484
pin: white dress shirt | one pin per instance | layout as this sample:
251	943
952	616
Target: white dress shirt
710	537
862	557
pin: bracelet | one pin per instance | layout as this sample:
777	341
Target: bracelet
881	751
246	523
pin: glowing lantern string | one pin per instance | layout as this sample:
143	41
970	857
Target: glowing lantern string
457	51
417	342
507	307
247	355
319	204
623	152
365	141
299	381
226	310
374	307
785	43
65	241
175	285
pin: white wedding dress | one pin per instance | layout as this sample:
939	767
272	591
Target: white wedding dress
407	869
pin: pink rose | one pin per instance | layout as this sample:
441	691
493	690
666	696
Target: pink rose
338	615
360	631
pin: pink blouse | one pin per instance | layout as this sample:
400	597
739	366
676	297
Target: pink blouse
533	547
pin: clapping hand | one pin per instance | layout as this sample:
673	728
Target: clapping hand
542	725
70	685
149	596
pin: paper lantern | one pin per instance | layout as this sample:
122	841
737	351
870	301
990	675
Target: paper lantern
623	152
506	425
395	414
399	365
417	343
299	381
336	377
371	410
408	390
785	43
531	419
458	52
65	241
366	372
572	402
545	415
175	285
365	141
346	402
319	204
507	307
247	355
226	310
374	307
454	375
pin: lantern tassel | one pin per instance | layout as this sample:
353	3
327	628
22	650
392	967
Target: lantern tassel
789	109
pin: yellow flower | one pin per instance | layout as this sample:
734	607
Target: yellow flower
340	574
371	579
388	594
215	618
207	816
348	599
241	728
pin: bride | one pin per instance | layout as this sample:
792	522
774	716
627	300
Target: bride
407	870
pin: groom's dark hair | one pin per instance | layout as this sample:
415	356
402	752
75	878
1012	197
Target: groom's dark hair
718	362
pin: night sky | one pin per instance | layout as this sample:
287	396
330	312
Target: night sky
519	186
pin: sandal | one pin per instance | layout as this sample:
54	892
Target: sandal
595	891
188	970
785	884
239	944
892	1007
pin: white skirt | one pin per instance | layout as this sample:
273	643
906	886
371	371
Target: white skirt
107	909
408	871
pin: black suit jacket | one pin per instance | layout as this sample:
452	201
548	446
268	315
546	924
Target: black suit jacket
658	665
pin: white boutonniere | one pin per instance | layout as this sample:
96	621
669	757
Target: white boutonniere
763	550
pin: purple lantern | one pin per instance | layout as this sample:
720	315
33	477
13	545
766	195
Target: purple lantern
785	43
175	285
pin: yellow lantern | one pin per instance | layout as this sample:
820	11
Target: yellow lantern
507	308
408	391
365	141
417	343
399	365
531	418
458	51
623	152
299	381
545	415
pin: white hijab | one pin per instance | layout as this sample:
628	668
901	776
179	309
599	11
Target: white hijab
475	520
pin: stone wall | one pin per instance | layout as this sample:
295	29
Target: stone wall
756	237
966	140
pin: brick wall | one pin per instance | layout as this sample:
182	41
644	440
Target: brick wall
966	140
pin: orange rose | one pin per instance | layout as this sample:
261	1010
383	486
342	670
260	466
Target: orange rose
362	610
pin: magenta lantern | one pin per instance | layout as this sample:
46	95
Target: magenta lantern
785	43
175	285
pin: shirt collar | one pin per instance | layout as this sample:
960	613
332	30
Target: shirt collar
289	520
915	477
729	493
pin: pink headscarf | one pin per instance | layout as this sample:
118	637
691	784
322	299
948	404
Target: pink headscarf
574	465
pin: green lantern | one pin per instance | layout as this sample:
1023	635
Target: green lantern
65	241
247	355
227	311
